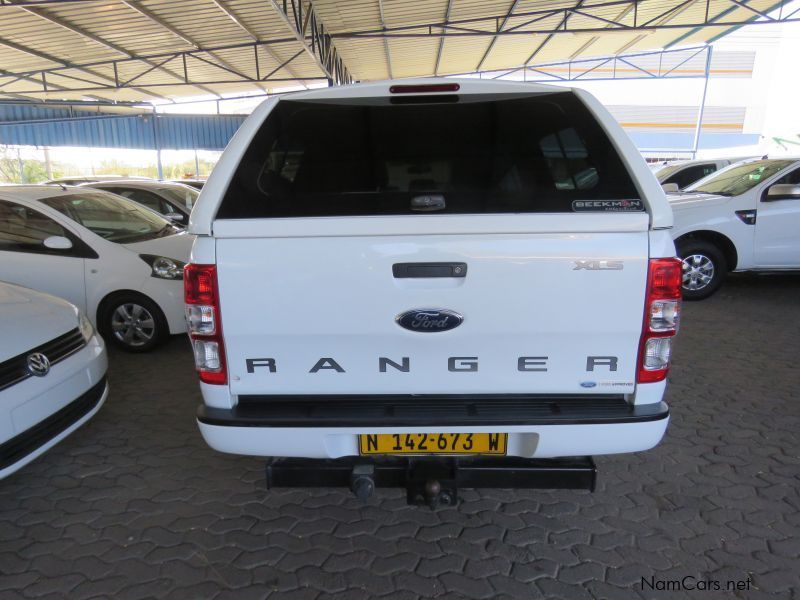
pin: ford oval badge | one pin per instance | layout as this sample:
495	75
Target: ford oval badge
429	320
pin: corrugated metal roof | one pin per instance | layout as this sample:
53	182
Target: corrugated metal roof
136	50
38	126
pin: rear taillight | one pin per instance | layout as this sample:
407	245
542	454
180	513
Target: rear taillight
201	295
661	318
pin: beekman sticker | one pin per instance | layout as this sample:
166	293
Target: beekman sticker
607	205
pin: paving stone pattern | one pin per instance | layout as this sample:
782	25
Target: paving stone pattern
134	505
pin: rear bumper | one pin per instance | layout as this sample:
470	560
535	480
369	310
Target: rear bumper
430	410
541	431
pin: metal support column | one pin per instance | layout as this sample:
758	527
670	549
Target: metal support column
48	165
21	164
157	144
698	128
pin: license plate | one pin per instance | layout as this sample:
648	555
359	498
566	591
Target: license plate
432	443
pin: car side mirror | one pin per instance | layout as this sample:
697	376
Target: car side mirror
670	187
783	191
175	217
57	242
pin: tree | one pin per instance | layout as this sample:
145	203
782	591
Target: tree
16	170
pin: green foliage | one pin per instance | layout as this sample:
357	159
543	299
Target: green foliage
33	171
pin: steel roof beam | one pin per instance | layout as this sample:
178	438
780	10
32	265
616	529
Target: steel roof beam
449	30
356	34
751	9
149	14
321	48
579	71
43	14
494	38
4	73
385	41
283	65
458	28
441	41
153	57
25	3
51	58
212	82
233	16
153	17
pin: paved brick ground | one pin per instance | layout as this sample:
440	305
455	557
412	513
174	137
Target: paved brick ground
134	505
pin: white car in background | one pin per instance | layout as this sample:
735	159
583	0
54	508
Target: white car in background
677	175
120	263
79	179
172	200
52	373
745	217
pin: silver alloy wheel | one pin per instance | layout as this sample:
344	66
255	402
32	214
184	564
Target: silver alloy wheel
133	325
698	271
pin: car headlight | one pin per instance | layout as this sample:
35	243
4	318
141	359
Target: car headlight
85	326
163	267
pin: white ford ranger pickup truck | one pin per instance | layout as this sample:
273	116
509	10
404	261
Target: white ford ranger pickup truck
745	217
432	284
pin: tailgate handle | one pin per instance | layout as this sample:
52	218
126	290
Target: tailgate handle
432	269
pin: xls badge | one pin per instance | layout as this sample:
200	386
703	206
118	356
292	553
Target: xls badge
428	320
598	265
607	206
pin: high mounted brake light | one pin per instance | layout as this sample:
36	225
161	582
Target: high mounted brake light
425	88
661	318
203	320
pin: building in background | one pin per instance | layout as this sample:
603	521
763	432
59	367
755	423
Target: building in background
751	102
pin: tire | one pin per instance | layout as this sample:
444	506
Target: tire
132	322
704	268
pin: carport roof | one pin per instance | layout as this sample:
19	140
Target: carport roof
145	50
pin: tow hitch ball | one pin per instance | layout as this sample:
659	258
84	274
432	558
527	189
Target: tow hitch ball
423	487
434	495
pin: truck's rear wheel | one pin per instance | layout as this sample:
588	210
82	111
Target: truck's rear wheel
704	269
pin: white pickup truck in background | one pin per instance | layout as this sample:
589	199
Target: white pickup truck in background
430	284
677	175
745	217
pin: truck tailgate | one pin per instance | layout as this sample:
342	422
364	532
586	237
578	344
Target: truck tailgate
543	312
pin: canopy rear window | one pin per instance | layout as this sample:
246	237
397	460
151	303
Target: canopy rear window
531	153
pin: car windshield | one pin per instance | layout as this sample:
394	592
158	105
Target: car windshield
666	170
737	179
112	217
180	194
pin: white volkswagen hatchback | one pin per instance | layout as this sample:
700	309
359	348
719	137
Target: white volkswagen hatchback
118	262
52	373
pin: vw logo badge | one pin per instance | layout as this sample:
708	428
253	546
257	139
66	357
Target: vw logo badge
38	364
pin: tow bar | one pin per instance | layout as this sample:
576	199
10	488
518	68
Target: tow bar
432	481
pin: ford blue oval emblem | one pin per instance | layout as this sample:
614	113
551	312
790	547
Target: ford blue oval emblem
429	320
588	384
